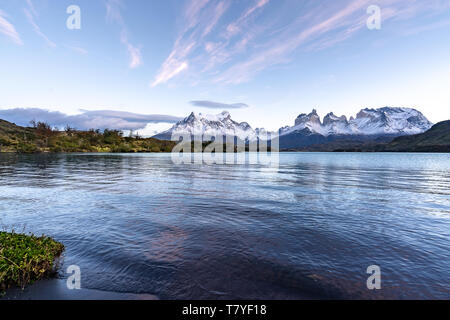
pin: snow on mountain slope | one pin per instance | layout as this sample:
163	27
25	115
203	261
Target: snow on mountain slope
384	121
213	125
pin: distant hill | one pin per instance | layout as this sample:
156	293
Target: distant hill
42	138
339	143
437	139
13	137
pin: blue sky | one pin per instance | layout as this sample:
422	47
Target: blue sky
270	60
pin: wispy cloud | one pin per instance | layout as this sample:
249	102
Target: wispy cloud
8	29
114	15
170	69
134	52
100	119
218	105
32	8
234	48
335	25
428	27
200	18
78	49
238	25
32	15
259	4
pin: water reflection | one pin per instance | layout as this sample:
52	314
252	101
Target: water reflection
308	229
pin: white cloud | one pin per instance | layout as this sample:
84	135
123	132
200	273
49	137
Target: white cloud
8	29
31	13
99	119
113	14
232	50
134	52
153	129
218	105
200	20
32	9
170	69
78	49
335	25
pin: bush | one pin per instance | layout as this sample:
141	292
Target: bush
24	147
26	258
4	142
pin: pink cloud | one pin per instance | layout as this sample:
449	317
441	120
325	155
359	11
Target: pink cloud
337	26
232	50
201	17
259	4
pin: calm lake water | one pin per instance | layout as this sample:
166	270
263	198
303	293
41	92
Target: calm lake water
139	224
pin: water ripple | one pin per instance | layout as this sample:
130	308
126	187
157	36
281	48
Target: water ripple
308	229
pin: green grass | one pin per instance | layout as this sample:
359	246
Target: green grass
26	258
42	138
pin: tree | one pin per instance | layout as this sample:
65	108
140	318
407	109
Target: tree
43	130
69	130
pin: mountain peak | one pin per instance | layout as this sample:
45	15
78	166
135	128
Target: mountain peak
211	125
304	118
383	121
225	114
192	117
332	118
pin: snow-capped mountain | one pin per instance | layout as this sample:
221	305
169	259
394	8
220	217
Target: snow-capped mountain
384	121
308	128
213	125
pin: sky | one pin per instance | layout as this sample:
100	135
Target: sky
137	64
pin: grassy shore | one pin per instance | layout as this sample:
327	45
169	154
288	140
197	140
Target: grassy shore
41	137
26	258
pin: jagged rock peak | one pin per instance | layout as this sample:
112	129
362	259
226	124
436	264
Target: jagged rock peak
214	125
368	121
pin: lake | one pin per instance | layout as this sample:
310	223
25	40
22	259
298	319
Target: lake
138	224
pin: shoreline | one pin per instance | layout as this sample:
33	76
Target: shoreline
26	258
282	151
56	289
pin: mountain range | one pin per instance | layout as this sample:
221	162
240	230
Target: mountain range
42	138
213	125
378	125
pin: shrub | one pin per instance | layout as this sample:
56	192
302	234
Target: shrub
26	258
24	147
